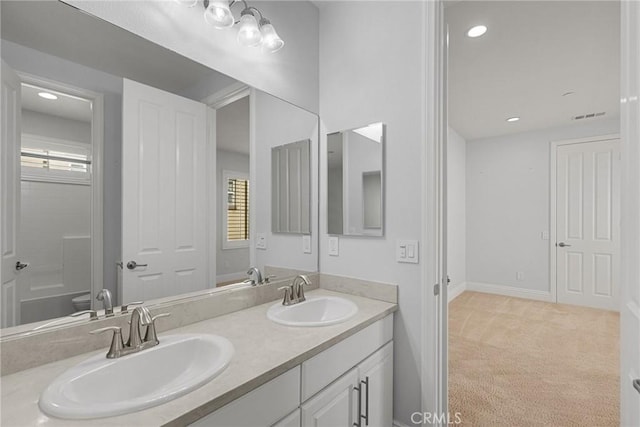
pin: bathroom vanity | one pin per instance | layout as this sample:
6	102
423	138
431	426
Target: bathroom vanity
279	375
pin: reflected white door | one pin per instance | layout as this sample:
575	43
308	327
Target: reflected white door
10	187
588	224
630	132
164	194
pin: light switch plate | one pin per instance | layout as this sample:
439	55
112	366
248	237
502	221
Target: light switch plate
544	235
306	244
261	241
334	246
407	251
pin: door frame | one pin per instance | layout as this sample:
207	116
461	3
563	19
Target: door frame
214	102
553	179
97	163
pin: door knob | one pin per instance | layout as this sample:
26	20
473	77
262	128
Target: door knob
132	265
563	245
21	265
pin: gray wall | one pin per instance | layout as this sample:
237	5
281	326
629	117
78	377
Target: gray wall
369	75
456	208
508	204
37	123
53	68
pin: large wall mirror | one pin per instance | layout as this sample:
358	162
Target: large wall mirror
137	171
355	187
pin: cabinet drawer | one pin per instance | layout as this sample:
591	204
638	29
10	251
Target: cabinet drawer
263	406
326	367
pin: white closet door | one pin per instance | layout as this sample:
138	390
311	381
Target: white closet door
588	224
164	194
10	187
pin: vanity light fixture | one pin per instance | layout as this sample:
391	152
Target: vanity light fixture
251	31
513	119
47	95
476	31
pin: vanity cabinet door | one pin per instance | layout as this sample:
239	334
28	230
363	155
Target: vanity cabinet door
335	406
376	380
291	420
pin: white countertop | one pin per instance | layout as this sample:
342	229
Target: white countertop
263	350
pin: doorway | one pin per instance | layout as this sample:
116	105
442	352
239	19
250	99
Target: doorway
56	200
512	91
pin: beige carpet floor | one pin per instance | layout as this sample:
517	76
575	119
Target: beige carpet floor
517	362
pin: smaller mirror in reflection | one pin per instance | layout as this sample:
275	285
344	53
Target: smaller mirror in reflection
291	188
355	181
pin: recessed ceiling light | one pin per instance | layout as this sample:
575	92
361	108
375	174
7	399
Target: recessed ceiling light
476	31
513	119
47	95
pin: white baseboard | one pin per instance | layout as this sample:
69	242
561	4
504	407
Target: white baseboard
454	291
509	291
221	278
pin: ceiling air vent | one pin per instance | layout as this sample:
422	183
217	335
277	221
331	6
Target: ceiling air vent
588	116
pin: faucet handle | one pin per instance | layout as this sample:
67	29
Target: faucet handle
93	315
125	307
151	335
117	344
288	294
269	277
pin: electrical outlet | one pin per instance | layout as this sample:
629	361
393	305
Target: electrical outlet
544	235
334	246
261	241
306	244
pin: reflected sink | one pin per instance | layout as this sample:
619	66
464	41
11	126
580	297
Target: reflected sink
315	311
101	387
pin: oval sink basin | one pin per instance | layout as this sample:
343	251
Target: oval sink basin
315	311
101	387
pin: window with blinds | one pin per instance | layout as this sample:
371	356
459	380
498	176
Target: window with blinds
237	209
52	160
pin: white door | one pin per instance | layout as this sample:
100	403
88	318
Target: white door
335	406
588	224
376	378
164	199
10	187
630	295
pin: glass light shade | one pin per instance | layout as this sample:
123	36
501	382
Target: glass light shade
219	14
271	41
249	34
187	3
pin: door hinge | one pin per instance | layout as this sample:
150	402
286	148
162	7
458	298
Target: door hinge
436	289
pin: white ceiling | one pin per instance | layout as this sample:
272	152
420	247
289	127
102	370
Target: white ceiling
68	107
232	133
61	30
532	53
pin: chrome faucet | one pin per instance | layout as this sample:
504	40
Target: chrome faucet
258	276
140	316
105	296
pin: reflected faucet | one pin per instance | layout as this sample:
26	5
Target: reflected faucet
258	276
105	296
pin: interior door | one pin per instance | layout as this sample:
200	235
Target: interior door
10	185
588	224
630	131
164	194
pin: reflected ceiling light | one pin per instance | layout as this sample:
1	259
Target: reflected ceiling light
476	31
252	32
47	95
513	119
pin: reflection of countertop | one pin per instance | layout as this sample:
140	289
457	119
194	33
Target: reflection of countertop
263	350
